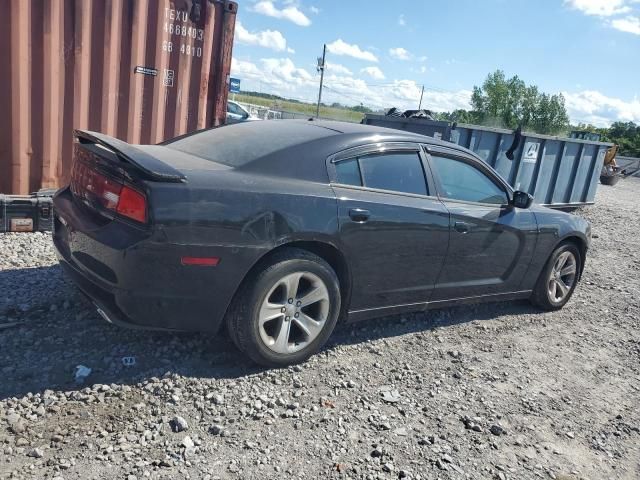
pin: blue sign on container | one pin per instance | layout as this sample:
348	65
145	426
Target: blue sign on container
234	85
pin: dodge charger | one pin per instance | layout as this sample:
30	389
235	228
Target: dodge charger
280	229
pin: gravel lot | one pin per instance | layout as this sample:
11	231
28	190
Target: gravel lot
496	391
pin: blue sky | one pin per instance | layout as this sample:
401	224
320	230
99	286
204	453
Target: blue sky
380	53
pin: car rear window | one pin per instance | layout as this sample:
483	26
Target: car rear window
239	144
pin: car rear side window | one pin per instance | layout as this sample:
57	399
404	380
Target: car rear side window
348	172
398	172
462	181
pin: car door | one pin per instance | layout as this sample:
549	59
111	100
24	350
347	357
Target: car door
490	242
393	229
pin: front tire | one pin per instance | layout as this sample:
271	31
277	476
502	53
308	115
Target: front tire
558	279
285	312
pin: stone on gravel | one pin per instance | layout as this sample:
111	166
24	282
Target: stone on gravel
187	442
391	396
35	453
179	424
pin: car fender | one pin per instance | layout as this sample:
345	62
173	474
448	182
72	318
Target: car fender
554	227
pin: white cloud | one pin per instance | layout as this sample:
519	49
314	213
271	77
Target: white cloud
628	17
446	101
399	53
401	20
281	76
601	8
406	89
590	106
337	68
290	13
340	47
267	38
628	24
315	10
244	69
373	72
283	73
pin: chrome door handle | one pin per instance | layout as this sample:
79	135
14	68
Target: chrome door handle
359	215
462	227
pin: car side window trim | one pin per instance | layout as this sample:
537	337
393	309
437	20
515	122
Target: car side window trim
381	190
459	156
382	148
372	149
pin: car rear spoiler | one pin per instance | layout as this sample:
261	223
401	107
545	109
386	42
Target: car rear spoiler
155	169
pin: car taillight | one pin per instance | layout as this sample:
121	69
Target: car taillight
132	204
105	191
97	189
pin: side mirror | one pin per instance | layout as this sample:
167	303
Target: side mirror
521	199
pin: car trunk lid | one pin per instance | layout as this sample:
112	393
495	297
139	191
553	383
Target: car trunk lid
149	166
110	178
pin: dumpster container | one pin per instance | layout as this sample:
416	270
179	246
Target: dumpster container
631	165
432	128
139	70
559	172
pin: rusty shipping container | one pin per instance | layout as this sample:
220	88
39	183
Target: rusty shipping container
139	70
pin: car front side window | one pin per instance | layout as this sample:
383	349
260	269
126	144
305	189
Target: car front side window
461	181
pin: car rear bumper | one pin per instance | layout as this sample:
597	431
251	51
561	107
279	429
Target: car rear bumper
104	300
138	281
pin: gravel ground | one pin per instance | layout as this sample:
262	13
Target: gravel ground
494	391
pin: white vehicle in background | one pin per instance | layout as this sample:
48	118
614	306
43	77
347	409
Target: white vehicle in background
237	113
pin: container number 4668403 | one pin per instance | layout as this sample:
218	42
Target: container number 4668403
184	31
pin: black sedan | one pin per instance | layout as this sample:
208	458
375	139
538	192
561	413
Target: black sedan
281	228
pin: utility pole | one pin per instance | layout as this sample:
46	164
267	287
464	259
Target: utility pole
421	93
320	68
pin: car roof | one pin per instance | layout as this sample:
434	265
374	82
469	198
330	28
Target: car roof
292	146
239	144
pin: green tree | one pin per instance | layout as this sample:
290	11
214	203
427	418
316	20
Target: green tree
509	102
627	135
460	116
361	108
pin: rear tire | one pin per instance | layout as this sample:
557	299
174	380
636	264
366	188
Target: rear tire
558	279
286	311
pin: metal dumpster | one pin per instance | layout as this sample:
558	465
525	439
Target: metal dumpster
139	70
559	172
432	128
630	164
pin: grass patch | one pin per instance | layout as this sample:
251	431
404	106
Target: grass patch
307	109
